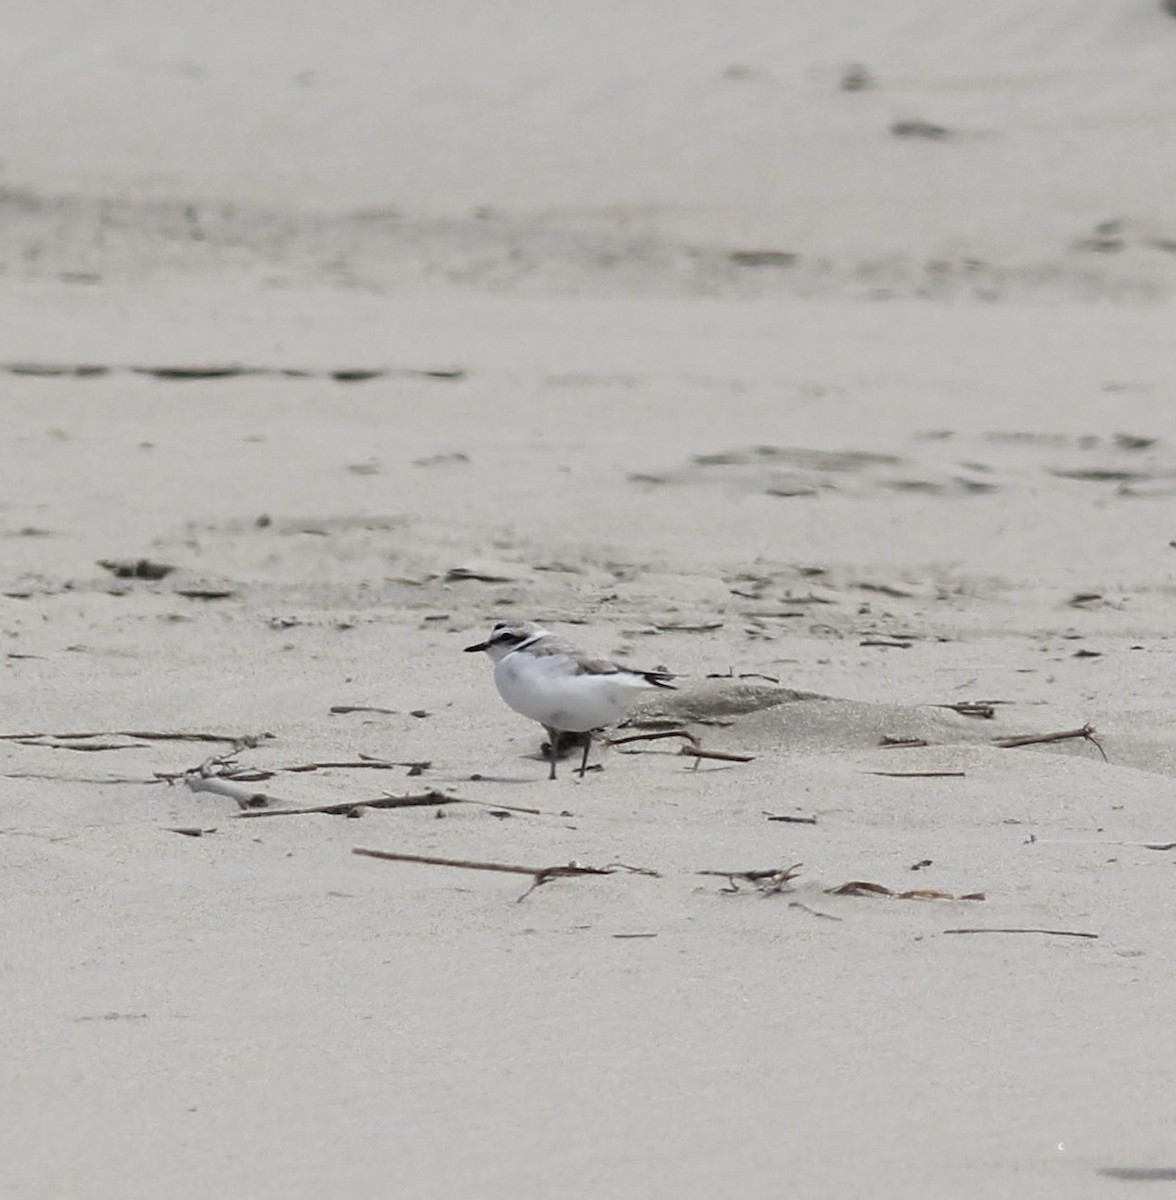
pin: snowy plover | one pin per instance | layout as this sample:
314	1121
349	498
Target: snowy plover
548	679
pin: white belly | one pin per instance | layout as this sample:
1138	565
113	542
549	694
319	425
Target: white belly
545	690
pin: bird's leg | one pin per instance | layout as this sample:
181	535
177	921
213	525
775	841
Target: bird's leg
587	747
552	747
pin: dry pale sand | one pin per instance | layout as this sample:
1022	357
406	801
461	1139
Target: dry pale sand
666	336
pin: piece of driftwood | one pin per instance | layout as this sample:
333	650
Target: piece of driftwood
859	887
218	776
789	819
1086	733
539	875
246	797
769	882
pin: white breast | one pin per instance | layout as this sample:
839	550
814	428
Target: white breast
550	690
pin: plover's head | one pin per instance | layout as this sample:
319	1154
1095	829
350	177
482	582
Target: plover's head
505	637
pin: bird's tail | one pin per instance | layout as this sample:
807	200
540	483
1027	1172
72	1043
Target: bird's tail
660	679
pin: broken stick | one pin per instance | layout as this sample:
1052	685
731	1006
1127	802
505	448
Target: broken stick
698	754
770	882
1086	733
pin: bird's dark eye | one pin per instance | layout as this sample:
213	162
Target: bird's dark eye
507	637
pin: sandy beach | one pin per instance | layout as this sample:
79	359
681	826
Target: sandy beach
819	356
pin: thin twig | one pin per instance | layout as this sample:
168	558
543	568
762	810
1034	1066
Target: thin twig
813	912
693	748
77	778
531	812
1086	733
919	774
985	709
653	737
362	763
242	741
1036	841
1050	932
789	819
88	746
698	754
365	762
351	808
539	875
